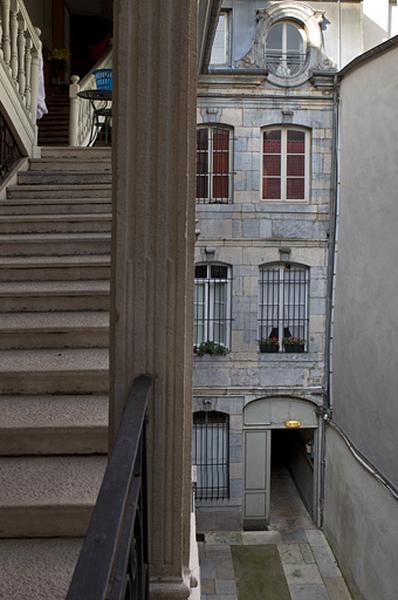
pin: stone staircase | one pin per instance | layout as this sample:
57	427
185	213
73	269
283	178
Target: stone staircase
54	126
54	333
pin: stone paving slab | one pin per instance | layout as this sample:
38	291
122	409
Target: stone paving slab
304	558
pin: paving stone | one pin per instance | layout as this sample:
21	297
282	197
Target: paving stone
261	537
302	574
225	569
224	537
216	551
316	538
221	597
208	569
326	561
208	586
290	554
308	592
225	586
337	588
307	553
293	535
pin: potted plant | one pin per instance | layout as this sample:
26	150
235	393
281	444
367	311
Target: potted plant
270	344
293	344
211	348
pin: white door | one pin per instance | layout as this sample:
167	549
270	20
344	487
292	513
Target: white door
257	478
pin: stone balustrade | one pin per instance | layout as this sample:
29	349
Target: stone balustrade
20	55
81	111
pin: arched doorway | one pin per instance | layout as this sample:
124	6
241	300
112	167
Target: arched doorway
279	425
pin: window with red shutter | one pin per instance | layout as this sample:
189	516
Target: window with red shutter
285	164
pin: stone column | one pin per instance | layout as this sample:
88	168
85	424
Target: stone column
154	62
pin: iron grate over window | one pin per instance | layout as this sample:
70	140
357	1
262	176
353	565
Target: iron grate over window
214	174
210	454
212	318
283	310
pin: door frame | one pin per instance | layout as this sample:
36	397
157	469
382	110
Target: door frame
314	422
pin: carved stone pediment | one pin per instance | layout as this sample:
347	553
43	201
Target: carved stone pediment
309	21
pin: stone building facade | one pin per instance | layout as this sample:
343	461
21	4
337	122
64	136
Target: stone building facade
273	71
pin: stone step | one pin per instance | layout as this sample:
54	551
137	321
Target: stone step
69	371
48	496
71	165
77	329
62	177
54	268
60	191
56	223
54	295
44	206
53	425
54	244
37	569
76	152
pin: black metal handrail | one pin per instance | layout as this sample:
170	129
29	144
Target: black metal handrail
113	562
9	151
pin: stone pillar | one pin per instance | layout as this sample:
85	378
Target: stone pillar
154	58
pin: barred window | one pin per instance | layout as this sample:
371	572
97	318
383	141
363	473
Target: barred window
212	319
210	454
283	308
213	164
286	50
285	164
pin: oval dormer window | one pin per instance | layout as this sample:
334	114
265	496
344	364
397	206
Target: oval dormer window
286	49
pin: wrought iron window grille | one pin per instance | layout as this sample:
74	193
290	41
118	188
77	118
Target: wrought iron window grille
210	454
284	308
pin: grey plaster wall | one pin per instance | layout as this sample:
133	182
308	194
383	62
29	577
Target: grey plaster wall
365	357
361	523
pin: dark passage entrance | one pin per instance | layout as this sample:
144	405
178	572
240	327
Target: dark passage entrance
292	474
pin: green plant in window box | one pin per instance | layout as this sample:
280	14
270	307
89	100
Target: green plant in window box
293	344
270	344
211	348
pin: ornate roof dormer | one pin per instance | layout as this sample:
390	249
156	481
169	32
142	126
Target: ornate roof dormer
288	43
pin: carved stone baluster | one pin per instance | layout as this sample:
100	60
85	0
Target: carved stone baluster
35	77
14	38
74	110
21	57
28	67
5	21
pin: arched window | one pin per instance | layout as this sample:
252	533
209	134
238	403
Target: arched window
283	308
210	454
286	164
214	164
212	318
286	49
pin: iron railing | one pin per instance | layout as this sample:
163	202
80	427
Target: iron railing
284	303
210	454
9	151
113	562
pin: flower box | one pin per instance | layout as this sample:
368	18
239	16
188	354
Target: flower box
294	348
269	347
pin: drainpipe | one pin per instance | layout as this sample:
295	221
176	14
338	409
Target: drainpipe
334	208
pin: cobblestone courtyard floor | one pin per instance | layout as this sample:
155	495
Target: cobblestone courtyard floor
300	563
